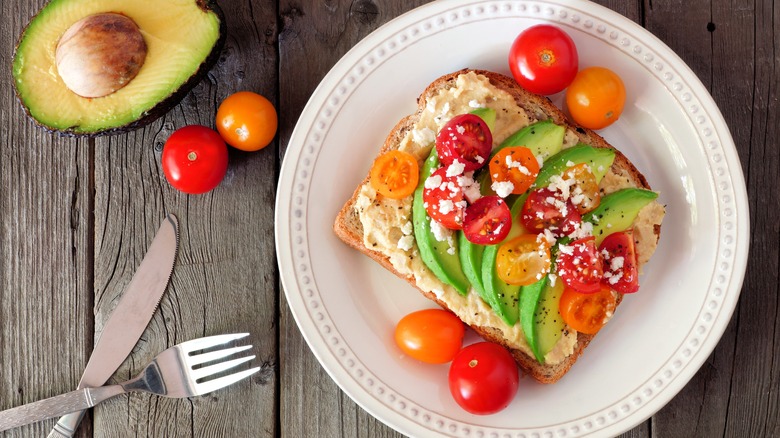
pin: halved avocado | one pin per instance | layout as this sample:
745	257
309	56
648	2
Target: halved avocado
183	40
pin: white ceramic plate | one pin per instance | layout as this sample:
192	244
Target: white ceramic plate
346	305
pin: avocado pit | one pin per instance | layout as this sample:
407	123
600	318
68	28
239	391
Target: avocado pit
100	54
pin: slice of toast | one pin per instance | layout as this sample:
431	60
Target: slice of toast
350	228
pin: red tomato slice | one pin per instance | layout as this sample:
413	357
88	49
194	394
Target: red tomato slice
620	269
430	335
546	210
516	165
443	199
465	138
483	378
587	313
487	221
580	266
543	59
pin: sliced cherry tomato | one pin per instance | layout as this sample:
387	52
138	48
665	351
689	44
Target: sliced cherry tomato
579	265
516	165
543	59
483	378
194	159
395	174
547	210
431	335
523	260
487	221
583	188
467	139
247	121
596	97
444	199
620	269
587	313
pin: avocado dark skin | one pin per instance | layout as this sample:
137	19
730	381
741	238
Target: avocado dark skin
164	105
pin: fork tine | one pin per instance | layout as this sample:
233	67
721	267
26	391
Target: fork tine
214	355
216	368
210	341
213	385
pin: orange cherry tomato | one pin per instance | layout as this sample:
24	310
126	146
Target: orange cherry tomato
247	121
584	189
395	174
516	165
523	260
587	313
596	97
431	335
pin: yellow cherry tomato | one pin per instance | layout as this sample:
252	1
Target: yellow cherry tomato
596	97
247	121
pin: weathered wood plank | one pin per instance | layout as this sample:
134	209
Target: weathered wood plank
225	278
45	247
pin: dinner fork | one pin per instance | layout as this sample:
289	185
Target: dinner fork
180	371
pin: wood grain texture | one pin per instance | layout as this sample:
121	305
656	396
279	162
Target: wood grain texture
76	217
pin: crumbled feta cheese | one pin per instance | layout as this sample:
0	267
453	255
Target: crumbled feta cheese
446	206
456	168
479	159
433	181
469	186
424	136
569	163
439	232
553	278
540	160
616	263
407	228
460	129
502	188
566	249
475	104
510	163
406	243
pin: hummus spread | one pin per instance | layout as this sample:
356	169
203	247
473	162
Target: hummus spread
387	222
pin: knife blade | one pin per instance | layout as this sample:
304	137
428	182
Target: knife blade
129	318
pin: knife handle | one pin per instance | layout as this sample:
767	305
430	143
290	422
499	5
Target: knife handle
62	404
66	425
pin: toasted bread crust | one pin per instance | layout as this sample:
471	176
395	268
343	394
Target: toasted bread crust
348	226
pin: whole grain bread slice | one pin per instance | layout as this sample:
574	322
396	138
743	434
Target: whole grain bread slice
349	228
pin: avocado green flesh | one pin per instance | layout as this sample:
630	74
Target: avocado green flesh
543	138
599	160
179	36
548	325
617	211
488	115
471	262
529	298
435	254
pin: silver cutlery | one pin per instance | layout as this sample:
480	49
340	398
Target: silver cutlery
183	370
130	317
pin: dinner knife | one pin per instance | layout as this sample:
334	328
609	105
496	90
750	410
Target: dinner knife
130	317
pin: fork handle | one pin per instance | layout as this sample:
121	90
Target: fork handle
62	404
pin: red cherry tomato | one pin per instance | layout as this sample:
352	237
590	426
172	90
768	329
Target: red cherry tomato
579	265
543	59
620	270
431	335
596	97
487	221
587	313
247	121
483	378
465	138
443	199
194	159
545	209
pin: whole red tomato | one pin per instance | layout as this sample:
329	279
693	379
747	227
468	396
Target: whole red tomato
543	59
194	159
483	378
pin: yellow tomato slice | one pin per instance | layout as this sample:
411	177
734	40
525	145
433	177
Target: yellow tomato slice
523	260
583	187
395	174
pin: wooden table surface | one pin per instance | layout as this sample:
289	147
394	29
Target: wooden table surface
76	216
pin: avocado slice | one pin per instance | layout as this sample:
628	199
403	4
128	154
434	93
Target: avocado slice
502	297
540	316
599	160
617	211
183	40
438	256
488	115
543	138
471	262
